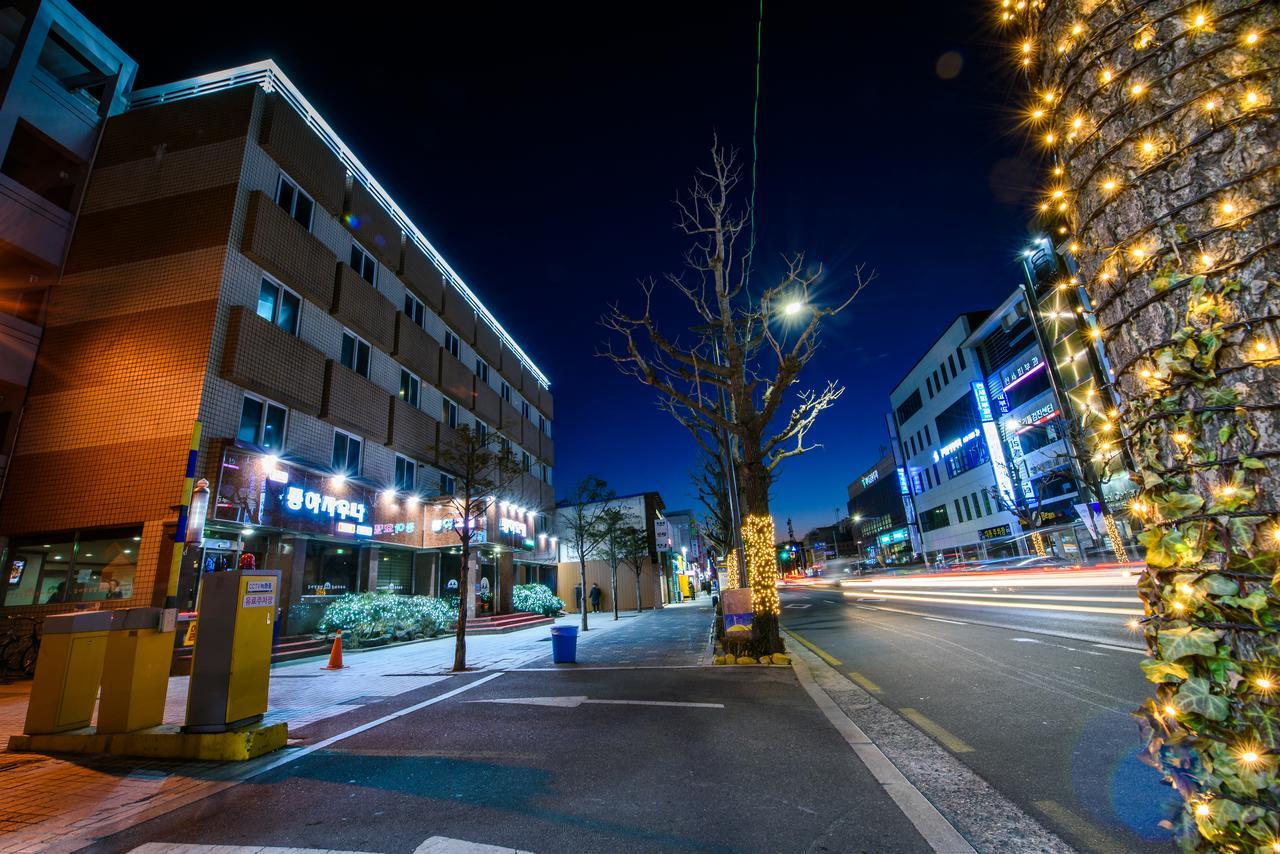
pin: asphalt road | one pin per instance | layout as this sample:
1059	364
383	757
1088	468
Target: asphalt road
1031	690
758	768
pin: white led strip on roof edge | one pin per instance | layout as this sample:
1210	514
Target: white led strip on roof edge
269	76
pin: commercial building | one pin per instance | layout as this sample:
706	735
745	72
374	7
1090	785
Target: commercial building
234	267
643	510
60	80
945	440
876	509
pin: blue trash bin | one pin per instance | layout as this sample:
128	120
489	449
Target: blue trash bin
564	644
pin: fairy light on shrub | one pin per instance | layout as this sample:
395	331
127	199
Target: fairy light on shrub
1144	98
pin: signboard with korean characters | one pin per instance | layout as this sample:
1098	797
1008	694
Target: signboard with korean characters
260	490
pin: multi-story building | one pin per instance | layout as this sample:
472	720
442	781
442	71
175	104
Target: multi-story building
235	267
876	508
60	80
944	434
657	578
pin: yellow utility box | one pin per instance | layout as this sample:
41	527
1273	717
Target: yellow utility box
231	662
68	672
135	677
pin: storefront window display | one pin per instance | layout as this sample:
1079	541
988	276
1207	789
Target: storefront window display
85	566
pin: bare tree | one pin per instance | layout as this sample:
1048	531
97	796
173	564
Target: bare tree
484	471
585	526
735	371
614	549
712	488
634	548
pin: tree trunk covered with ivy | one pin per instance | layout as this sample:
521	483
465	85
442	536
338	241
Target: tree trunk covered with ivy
1159	120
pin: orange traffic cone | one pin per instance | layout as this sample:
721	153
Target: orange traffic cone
335	655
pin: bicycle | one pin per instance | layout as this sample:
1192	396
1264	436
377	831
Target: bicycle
19	647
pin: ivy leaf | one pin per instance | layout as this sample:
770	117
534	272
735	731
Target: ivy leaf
1253	602
1181	503
1265	721
1188	640
1252	463
1163	671
1219	585
1194	697
1225	432
1159	548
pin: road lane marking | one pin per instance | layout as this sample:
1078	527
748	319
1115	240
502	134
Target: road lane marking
798	605
1082	828
940	734
1141	652
821	653
1024	606
574	702
940	620
1024	640
943	595
938	833
864	683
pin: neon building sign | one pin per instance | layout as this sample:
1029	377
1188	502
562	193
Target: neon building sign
320	504
995	447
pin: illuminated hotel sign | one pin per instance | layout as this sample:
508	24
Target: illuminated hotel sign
903	486
898	536
870	477
298	499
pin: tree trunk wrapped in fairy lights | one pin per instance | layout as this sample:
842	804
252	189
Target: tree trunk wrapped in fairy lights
1160	125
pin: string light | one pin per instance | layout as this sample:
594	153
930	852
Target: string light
762	570
1137	89
1106	75
1251	38
1110	185
1202	809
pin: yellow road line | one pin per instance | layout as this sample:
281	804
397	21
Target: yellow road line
1090	835
818	651
940	734
863	682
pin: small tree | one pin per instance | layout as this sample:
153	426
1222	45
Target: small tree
483	468
585	526
613	548
633	543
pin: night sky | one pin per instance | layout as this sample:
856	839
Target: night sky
540	146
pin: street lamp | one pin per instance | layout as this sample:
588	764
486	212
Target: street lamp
793	308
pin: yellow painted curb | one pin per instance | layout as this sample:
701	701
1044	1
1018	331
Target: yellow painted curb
162	742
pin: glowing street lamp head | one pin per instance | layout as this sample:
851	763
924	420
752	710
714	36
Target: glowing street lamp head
793	308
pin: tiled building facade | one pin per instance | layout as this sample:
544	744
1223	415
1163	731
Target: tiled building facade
234	265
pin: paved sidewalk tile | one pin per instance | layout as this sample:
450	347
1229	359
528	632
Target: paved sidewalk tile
59	804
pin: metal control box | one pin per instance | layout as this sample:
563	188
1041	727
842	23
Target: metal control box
68	671
135	677
232	659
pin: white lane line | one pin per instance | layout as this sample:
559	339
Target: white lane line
1141	652
573	702
932	825
1024	640
321	745
940	620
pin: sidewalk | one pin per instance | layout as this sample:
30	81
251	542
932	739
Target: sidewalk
64	803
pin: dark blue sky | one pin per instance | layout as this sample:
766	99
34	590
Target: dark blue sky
540	146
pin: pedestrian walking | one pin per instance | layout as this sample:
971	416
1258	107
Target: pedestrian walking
595	598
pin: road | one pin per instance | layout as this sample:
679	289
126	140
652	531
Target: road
649	758
1027	678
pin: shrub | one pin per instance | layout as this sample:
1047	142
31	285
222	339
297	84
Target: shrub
365	617
536	599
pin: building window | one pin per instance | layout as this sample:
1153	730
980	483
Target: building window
928	383
362	262
450	414
542	426
936	477
279	305
977	511
525	461
73	69
346	453
505	444
986	501
959	512
927	438
447	484
451	343
355	353
951	360
262	423
932	520
295	202
960	356
482	430
968	511
524	409
406	474
928	479
482	370
85	566
415	310
505	391
410	388
42	167
945	379
909	407
936	383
